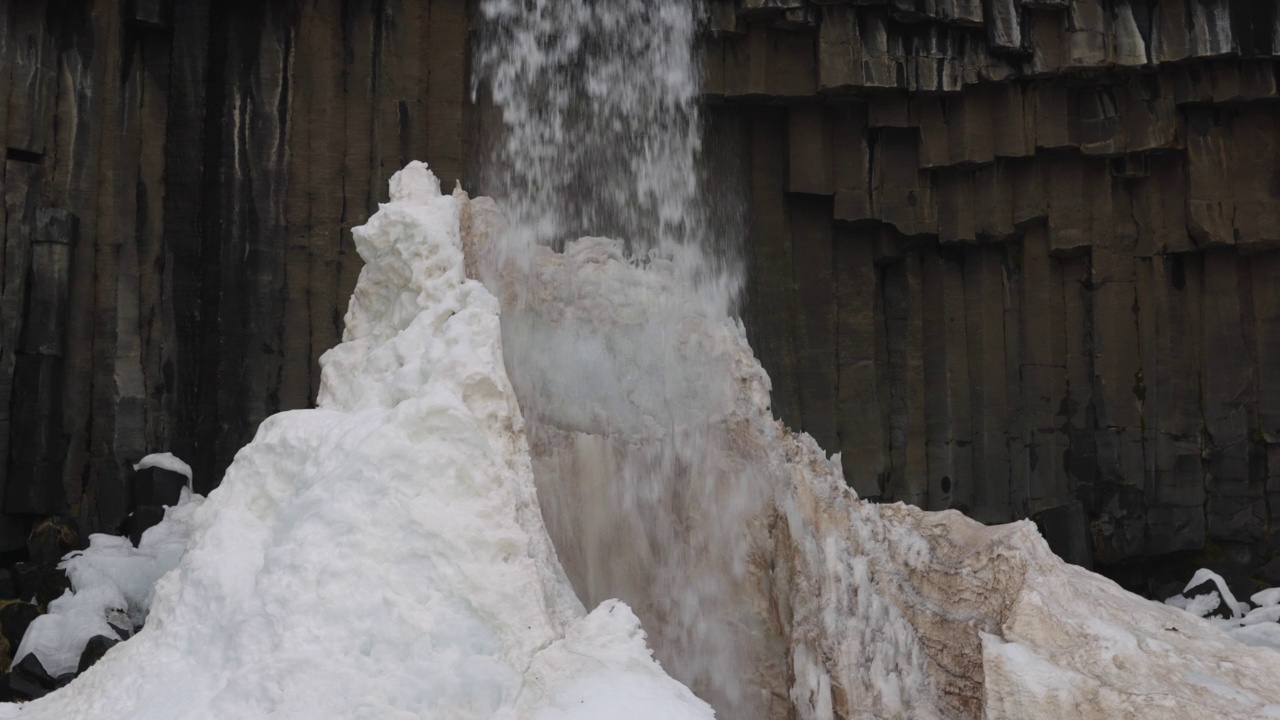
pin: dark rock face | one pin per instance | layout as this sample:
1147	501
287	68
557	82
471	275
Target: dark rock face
1021	258
179	184
15	617
29	680
39	582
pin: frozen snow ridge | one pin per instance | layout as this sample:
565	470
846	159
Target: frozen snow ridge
383	556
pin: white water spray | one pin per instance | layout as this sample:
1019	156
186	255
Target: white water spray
621	374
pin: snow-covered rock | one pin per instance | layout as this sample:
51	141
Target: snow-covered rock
383	556
165	461
1266	598
112	585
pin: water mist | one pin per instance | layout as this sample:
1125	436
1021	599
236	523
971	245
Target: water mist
621	382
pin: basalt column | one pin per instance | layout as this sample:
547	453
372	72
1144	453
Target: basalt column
216	156
33	485
1049	236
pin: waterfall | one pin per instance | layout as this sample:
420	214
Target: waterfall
601	130
601	134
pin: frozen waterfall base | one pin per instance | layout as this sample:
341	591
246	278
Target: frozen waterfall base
384	555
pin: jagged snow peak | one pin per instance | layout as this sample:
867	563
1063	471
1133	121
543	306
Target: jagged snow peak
383	556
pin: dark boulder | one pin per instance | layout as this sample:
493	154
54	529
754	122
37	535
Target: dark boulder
143	518
52	539
29	680
15	618
97	646
157	486
1221	610
43	582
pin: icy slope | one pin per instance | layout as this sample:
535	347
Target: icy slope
765	584
383	556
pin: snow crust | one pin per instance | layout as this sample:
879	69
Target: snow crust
165	461
383	556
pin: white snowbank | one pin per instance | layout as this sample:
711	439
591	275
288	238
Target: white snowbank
383	556
165	461
112	584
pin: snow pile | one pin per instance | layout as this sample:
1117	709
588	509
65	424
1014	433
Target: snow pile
112	585
383	556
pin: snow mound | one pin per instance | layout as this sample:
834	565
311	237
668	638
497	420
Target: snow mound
383	556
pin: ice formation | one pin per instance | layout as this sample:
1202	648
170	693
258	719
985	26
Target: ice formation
383	556
765	585
838	608
1255	626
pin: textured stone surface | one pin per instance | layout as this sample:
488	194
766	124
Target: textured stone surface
1029	247
1061	218
215	156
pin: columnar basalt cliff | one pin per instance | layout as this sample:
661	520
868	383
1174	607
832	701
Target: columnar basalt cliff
1015	257
180	180
1019	258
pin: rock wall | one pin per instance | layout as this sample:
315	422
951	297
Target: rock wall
1020	258
179	184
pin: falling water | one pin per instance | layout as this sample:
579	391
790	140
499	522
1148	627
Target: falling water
602	130
601	134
